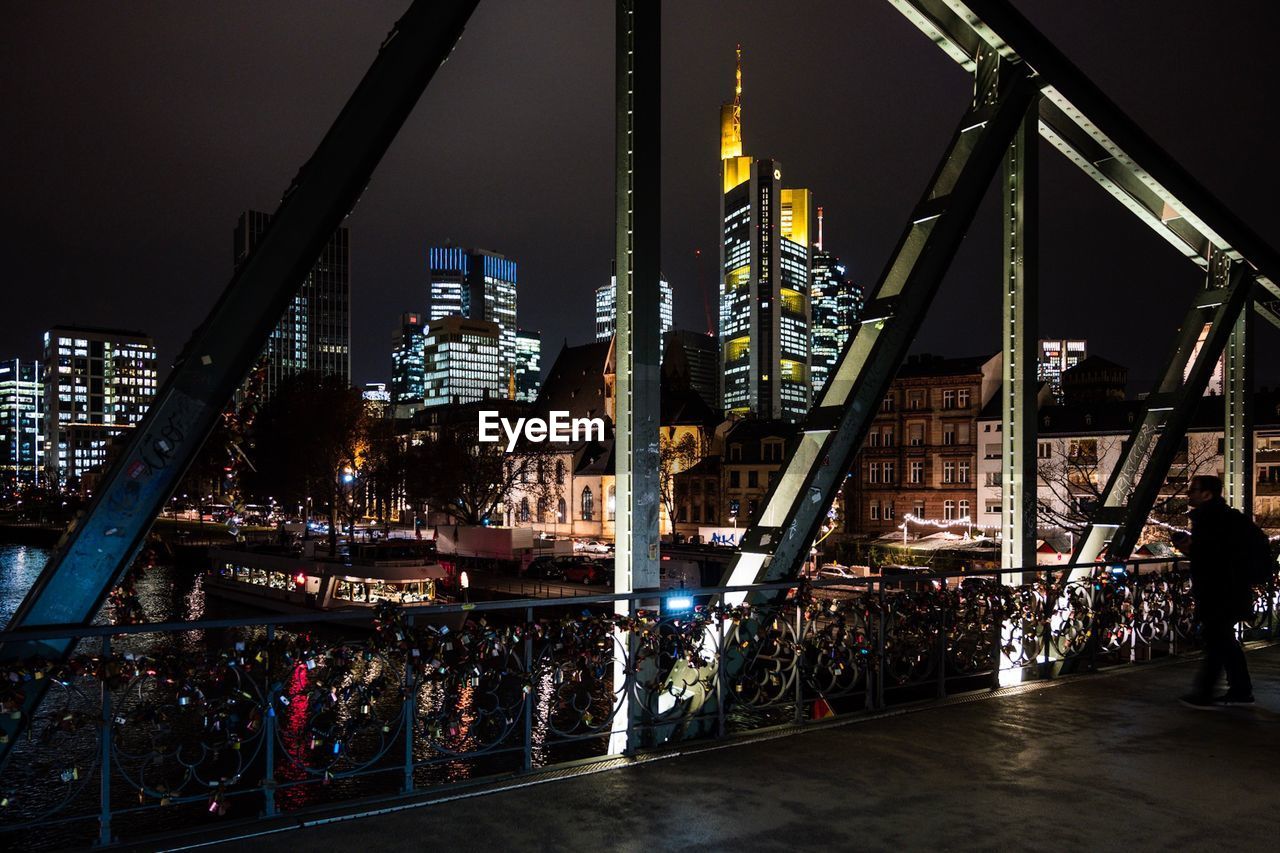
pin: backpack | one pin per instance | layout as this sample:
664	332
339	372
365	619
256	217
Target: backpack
1259	561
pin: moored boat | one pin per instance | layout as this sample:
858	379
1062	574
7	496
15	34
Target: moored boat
288	580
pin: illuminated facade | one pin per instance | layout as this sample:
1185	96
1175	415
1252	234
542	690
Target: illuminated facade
528	378
461	361
98	383
765	278
408	366
21	423
607	308
314	334
1055	358
837	304
478	285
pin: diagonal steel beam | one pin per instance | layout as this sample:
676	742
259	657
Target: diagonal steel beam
98	548
775	548
1092	132
1144	462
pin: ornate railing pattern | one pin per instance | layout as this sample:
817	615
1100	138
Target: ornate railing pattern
245	718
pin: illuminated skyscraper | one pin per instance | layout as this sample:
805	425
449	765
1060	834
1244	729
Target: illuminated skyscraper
98	383
1056	358
837	304
607	308
478	285
407	365
528	377
21	423
461	361
764	285
315	332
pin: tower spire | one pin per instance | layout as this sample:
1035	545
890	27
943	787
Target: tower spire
819	228
737	92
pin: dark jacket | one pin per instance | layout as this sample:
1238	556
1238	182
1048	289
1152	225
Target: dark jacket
1218	557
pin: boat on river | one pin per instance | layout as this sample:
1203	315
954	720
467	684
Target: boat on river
289	579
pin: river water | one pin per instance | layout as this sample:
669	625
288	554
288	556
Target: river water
165	593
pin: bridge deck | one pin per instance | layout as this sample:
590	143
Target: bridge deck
1102	762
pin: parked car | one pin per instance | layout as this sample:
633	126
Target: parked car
587	572
595	546
835	571
545	568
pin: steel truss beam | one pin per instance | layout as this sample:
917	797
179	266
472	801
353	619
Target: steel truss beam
1092	132
1144	462
777	545
1082	123
98	548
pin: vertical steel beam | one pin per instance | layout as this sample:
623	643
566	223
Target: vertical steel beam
1018	347
1237	387
637	342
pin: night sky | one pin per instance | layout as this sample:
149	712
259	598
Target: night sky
133	134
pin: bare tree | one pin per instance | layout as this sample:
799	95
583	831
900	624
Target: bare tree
675	455
466	479
1073	479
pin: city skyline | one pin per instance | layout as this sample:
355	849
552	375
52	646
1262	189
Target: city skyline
77	242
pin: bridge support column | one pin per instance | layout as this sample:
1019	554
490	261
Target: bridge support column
1237	388
1019	339
637	343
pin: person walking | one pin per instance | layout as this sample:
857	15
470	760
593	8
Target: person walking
1218	548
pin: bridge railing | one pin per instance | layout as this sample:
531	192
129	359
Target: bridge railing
187	726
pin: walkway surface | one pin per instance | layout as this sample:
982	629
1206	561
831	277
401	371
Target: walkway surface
1109	762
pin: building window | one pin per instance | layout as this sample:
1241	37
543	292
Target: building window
948	434
962	472
1044	450
889	512
735	479
949	399
873	440
948	510
753	479
875	510
735	453
886	405
588	504
916	473
887	436
948	472
611	503
542	510
915	435
964	509
561	510
962	398
917	509
524	510
915	400
560	474
890	472
873	473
